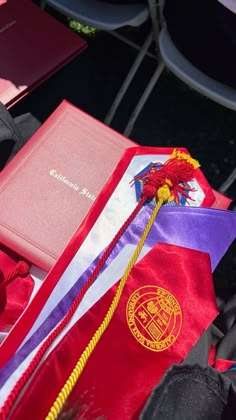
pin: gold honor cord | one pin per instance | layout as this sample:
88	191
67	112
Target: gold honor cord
163	195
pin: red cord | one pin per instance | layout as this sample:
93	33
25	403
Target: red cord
5	409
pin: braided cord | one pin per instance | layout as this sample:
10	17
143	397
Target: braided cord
80	365
9	402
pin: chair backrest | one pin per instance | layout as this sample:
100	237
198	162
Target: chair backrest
230	4
184	70
101	15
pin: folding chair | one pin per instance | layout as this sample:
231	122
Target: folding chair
110	18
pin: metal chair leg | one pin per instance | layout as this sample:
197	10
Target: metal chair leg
143	99
152	4
128	79
228	182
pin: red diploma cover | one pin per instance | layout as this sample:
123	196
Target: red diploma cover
47	189
33	46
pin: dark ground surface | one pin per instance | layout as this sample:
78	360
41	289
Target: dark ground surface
174	115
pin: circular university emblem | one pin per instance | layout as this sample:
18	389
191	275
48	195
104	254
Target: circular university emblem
154	317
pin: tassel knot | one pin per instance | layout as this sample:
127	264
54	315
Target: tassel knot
21	269
175	173
163	193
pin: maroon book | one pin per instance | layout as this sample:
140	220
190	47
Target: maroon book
47	189
33	46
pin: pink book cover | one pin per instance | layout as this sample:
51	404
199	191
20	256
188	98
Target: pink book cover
33	46
47	189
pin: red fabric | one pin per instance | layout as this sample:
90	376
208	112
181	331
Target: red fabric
121	372
212	355
14	296
221	364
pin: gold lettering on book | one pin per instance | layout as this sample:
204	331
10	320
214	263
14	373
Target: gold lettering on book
87	194
63	179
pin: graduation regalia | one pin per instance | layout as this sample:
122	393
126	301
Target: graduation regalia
166	305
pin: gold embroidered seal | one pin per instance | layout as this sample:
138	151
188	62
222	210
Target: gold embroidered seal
154	317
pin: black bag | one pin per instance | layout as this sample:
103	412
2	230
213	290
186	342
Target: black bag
14	132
